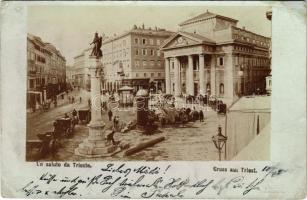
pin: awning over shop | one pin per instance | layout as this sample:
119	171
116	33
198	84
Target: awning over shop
125	88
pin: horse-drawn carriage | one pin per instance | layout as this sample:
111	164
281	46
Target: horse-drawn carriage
46	143
64	127
50	141
46	106
84	115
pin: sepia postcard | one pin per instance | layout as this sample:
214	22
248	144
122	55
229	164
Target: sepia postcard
150	100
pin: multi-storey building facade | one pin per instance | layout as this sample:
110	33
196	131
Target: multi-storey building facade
211	55
81	75
46	74
69	76
134	59
269	77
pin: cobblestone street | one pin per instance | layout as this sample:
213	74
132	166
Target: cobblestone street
191	141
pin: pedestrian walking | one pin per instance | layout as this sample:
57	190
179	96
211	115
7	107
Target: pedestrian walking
80	99
89	102
75	116
72	100
110	114
66	116
201	116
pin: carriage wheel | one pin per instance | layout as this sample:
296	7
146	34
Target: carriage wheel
67	132
43	150
53	146
72	128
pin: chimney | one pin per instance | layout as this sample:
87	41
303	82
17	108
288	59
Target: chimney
143	26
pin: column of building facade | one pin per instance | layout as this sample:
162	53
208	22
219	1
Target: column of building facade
201	74
167	77
177	77
212	75
229	79
190	81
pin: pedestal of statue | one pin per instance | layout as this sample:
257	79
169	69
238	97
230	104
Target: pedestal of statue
94	145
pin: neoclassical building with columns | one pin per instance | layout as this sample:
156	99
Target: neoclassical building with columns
211	55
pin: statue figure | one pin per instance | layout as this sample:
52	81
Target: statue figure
97	41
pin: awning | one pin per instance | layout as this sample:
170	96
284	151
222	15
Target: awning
125	88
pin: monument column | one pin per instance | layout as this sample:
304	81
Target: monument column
212	75
190	80
177	77
167	77
201	74
94	145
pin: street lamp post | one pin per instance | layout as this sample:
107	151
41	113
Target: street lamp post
219	141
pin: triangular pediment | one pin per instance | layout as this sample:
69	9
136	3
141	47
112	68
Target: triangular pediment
180	40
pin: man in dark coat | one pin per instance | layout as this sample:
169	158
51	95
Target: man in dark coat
201	116
110	115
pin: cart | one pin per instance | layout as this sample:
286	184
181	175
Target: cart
63	127
84	115
49	143
45	144
46	106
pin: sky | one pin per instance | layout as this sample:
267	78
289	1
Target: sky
71	28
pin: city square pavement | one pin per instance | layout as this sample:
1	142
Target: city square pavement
191	141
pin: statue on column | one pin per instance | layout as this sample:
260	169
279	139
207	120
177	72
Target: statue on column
97	41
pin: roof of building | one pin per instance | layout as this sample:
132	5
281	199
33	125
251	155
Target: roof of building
50	46
143	30
252	103
197	36
193	36
204	16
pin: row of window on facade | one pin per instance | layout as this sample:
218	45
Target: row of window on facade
243	35
251	61
143	41
237	61
150	41
249	50
253	41
151	52
116	54
34	57
147	75
121	63
147	63
220	61
115	45
43	81
208	87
